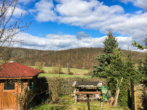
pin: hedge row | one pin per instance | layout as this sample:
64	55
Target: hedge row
52	88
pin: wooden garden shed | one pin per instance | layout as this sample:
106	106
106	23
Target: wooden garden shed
9	73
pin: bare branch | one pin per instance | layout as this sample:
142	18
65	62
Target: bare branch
9	24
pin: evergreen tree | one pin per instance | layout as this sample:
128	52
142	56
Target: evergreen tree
139	46
142	69
110	43
121	68
145	65
115	70
140	66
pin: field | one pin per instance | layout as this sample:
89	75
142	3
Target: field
76	72
68	103
62	75
73	70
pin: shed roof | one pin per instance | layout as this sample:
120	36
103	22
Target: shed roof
16	70
87	84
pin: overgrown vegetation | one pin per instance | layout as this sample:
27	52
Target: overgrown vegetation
66	102
63	86
50	89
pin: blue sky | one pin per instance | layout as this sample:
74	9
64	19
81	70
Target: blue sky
65	24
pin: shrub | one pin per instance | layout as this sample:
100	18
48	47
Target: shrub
63	86
56	70
89	73
39	66
69	72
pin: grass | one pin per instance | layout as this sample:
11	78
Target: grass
68	103
73	70
61	75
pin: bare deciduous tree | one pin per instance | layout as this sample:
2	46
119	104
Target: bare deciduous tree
10	25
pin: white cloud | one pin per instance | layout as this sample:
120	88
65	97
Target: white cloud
95	15
138	3
44	11
91	14
59	41
17	12
76	7
83	13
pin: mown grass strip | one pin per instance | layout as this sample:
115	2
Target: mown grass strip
62	75
73	70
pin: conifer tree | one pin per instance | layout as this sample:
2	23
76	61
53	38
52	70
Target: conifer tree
140	65
144	67
110	43
141	68
121	68
139	46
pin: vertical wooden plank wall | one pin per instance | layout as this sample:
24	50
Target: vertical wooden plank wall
10	95
20	90
1	95
16	91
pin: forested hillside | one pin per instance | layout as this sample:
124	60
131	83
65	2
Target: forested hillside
77	58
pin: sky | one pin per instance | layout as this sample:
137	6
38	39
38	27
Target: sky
66	24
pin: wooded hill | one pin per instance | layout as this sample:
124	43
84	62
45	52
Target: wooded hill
82	58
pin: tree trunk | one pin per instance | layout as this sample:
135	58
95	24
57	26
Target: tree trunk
116	97
117	92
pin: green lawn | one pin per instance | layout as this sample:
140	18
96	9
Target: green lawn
62	75
73	70
68	103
